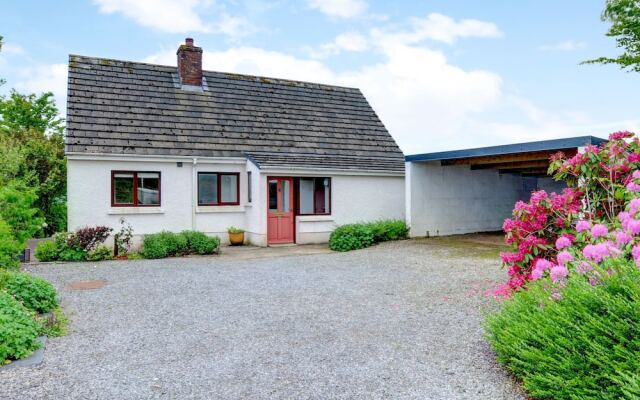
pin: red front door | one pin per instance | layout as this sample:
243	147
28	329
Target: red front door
280	216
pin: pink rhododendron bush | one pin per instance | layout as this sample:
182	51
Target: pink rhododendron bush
569	325
596	217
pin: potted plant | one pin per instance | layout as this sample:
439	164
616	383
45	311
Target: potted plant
236	236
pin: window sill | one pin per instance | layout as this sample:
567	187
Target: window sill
219	209
135	210
315	218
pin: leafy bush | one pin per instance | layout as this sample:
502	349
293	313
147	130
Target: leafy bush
358	236
18	329
391	229
123	239
166	244
35	293
576	342
47	250
10	249
100	253
351	237
87	238
200	243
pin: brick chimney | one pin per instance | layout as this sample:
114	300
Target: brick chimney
190	63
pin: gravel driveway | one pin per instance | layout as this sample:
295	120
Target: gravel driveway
396	321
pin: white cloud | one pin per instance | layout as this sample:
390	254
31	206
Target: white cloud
348	41
11	49
165	15
566	45
339	8
45	78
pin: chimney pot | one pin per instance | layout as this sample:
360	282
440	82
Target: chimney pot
190	63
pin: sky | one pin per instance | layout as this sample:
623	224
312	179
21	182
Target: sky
441	74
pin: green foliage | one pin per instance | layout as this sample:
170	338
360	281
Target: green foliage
100	253
35	293
10	249
124	237
586	345
624	16
351	237
166	244
59	249
59	327
18	330
47	250
358	236
16	209
24	112
199	243
391	229
134	256
37	162
233	229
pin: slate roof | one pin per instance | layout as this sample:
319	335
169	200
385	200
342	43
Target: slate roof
126	107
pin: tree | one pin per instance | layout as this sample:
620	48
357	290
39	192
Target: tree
625	18
23	112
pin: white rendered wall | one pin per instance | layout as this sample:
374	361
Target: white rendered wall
454	199
89	198
354	198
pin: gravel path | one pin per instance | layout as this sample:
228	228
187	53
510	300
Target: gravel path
396	321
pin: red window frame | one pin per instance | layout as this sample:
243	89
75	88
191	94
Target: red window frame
219	183
135	189
297	190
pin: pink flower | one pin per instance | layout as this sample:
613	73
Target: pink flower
584	267
596	252
636	174
558	273
513	270
563	242
599	230
633	187
583	225
564	257
622	238
620	135
635	252
624	216
536	274
634	205
633	226
543	264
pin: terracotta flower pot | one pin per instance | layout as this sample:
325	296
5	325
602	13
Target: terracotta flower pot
236	239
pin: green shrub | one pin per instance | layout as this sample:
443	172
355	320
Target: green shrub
350	237
166	244
100	253
233	229
586	345
10	249
35	293
358	236
390	229
18	329
47	251
200	243
153	246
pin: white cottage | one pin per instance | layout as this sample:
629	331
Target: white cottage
181	148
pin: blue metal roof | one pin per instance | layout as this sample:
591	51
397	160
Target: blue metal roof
541	145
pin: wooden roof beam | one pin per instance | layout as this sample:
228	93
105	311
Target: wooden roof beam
508	158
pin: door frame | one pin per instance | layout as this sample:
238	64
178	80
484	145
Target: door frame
293	206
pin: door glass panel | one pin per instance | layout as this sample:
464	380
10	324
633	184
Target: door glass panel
273	195
305	192
286	197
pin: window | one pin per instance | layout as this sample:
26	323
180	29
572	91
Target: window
314	196
135	189
218	188
248	186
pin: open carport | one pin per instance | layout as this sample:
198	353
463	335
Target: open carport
474	190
